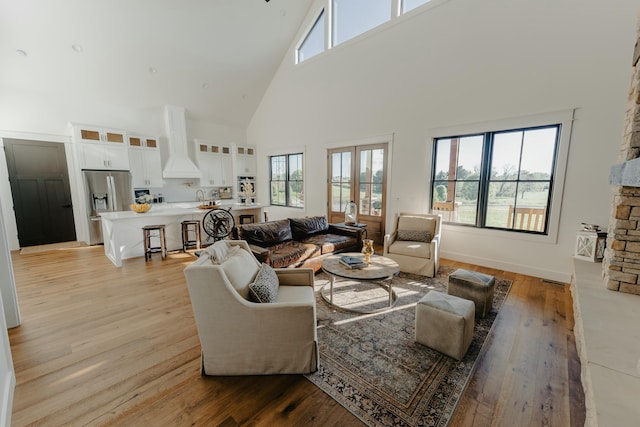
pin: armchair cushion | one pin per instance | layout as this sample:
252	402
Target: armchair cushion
265	287
409	248
414	235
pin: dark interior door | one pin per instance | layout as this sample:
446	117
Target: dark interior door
41	193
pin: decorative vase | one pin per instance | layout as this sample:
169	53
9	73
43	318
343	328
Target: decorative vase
351	214
367	250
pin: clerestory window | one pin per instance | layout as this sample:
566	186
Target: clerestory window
313	43
346	19
354	17
408	5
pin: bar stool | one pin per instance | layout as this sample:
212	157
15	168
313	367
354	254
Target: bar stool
247	219
191	225
146	234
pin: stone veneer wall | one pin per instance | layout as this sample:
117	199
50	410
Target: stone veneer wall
621	264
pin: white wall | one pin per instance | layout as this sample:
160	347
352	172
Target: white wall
464	62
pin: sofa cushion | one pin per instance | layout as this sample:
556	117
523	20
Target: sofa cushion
329	243
304	227
265	286
265	233
241	269
292	253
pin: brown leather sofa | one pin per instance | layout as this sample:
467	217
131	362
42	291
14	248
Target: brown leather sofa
298	242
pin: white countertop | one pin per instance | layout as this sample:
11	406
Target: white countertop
176	209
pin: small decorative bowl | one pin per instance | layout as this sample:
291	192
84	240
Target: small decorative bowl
140	207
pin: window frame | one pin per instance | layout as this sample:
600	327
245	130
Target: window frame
564	119
320	12
287	181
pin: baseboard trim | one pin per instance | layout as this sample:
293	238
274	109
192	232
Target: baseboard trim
556	276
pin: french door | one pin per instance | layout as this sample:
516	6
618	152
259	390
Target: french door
359	174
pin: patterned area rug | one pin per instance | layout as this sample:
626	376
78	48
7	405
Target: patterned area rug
370	364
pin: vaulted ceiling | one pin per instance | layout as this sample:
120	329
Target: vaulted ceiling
214	57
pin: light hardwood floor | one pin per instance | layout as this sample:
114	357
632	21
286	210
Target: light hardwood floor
106	346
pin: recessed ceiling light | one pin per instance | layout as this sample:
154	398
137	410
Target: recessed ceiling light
77	48
153	70
205	85
21	52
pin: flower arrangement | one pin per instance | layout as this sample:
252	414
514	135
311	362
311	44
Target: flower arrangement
144	198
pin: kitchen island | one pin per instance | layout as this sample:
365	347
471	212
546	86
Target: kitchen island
122	231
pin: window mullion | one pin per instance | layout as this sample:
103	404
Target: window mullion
485	178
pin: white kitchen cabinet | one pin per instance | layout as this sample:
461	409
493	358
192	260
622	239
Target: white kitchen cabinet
101	148
246	160
146	165
214	161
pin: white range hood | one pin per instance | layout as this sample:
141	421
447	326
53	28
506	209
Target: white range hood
179	165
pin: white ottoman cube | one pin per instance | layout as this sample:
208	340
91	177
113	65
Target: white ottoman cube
474	286
445	323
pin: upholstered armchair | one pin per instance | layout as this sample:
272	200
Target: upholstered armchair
415	243
241	337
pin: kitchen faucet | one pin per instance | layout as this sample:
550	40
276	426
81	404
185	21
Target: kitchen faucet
201	197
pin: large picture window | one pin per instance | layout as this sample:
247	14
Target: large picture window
502	179
287	180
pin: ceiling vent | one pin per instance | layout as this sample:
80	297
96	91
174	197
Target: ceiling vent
179	165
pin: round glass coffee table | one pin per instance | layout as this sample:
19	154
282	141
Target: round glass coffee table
380	272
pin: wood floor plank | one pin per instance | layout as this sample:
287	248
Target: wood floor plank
101	345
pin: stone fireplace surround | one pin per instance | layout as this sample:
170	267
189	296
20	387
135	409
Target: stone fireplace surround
606	332
621	264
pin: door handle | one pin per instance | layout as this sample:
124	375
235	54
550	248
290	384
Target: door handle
69	205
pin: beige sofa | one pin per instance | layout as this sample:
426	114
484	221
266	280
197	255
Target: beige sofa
415	243
240	337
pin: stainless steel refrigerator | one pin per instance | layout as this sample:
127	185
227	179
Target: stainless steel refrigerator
106	191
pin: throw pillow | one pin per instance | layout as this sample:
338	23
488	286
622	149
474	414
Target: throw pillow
265	286
414	235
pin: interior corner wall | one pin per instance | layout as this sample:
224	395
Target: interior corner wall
458	63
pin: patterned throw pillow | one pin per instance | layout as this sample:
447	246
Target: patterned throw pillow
265	286
414	235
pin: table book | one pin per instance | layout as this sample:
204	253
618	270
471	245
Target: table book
353	261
